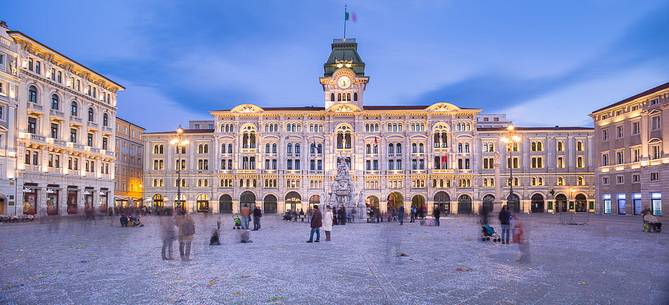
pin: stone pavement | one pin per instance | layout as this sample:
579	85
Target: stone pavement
69	261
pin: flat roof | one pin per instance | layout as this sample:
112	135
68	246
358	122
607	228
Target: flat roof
535	128
191	131
636	96
371	107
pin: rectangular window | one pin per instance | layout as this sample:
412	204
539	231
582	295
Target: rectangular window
560	162
636	178
89	140
73	135
620	157
32	125
655	176
620	179
619	132
579	162
656	203
605	180
636	154
607	203
622	202
655	151
635	128
537	162
605	135
655	122
54	130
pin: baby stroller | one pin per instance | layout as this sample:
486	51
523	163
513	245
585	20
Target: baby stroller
237	222
488	232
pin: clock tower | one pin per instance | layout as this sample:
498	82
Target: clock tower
344	79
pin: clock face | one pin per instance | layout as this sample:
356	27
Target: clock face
344	82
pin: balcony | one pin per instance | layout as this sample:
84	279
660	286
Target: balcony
77	146
95	150
92	124
57	113
38	138
75	119
35	107
60	143
109	153
107	129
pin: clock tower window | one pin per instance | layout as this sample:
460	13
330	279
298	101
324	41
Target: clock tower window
355	96
332	97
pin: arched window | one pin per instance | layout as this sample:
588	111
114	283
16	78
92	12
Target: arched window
344	137
55	102
105	120
440	135
332	98
398	149
249	136
391	149
32	94
355	96
348	97
74	109
91	114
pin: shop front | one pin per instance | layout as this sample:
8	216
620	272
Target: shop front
104	200
52	198
89	192
30	198
72	199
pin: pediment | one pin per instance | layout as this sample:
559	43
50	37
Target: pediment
343	108
246	108
443	107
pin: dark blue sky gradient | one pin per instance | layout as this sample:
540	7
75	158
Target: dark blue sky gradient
542	63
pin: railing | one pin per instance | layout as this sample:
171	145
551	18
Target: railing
35	106
107	128
77	146
92	124
59	142
56	112
75	119
39	138
95	150
109	153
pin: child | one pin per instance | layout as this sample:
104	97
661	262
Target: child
237	222
215	238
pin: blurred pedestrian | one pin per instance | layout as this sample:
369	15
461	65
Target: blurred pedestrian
327	222
504	220
342	215
437	215
484	213
520	237
168	235
186	232
316	224
245	213
257	213
413	214
400	215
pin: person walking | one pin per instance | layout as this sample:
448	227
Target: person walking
257	213
484	213
327	222
520	237
413	214
186	232
437	214
168	234
504	220
245	213
400	215
316	224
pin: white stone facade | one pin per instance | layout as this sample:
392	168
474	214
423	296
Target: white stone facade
429	156
59	139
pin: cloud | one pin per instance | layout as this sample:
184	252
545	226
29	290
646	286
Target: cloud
148	107
534	100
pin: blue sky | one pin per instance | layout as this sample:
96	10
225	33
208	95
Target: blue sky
542	63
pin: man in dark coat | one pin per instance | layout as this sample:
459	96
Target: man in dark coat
400	215
257	213
436	213
316	224
342	215
505	220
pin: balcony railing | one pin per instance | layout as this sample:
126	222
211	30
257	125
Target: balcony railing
59	142
75	119
95	150
38	138
92	124
109	153
56	113
35	106
107	128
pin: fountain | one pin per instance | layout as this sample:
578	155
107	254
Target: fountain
343	191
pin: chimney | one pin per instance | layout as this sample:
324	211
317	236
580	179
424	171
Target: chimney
3	24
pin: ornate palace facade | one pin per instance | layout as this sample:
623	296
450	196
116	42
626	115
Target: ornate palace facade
438	156
56	129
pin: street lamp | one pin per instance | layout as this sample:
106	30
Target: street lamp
510	139
179	142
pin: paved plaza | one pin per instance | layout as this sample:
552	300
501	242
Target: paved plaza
70	261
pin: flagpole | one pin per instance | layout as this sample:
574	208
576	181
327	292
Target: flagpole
345	20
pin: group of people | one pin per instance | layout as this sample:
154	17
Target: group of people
182	228
397	214
246	213
511	225
319	221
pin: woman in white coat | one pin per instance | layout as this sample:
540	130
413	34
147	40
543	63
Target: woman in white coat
327	222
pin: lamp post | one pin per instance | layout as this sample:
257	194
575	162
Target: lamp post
179	142
510	139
